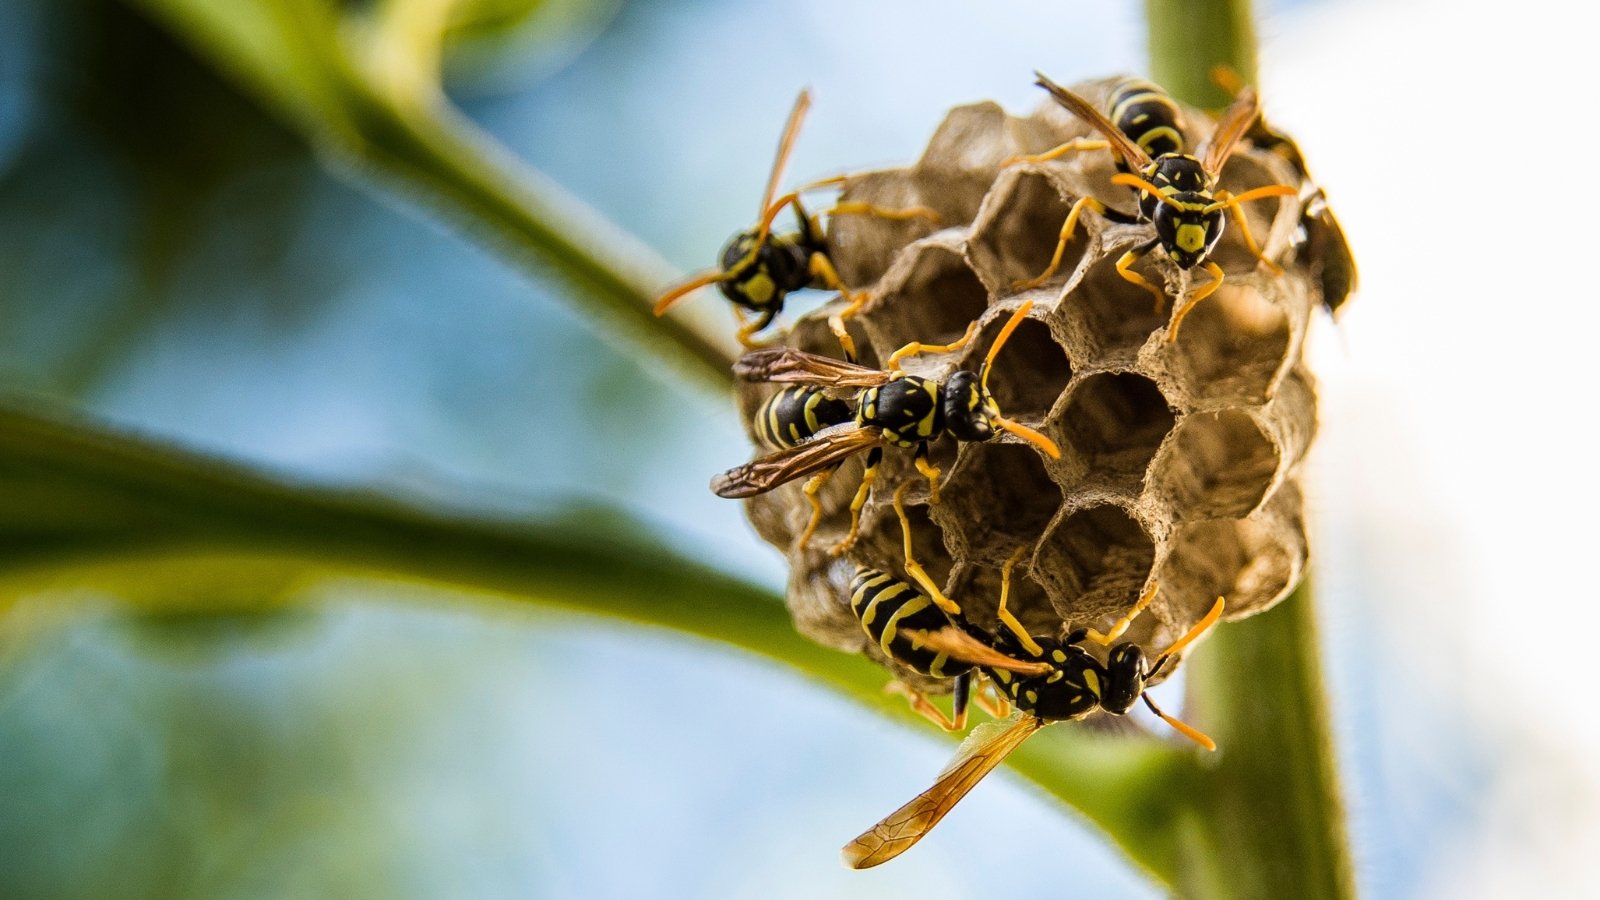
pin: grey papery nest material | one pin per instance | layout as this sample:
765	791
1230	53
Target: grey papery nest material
1180	461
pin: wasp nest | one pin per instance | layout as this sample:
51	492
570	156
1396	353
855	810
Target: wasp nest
1179	461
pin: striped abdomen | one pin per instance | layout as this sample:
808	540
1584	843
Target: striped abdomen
888	608
1147	115
796	413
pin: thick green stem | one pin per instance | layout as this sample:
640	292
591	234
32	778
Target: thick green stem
1263	818
1189	38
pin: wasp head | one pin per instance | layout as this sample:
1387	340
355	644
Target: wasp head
1126	671
759	272
969	408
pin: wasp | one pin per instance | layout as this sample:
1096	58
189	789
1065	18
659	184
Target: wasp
899	618
1177	192
759	268
1046	679
891	408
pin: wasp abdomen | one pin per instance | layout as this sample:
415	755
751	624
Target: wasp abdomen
888	608
796	413
1147	115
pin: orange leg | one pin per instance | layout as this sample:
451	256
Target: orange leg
922	706
870	475
1121	625
1057	151
1125	269
1203	292
1067	229
812	488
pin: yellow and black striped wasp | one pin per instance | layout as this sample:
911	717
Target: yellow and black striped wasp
758	268
900	619
1072	685
1047	679
891	407
1326	249
1176	191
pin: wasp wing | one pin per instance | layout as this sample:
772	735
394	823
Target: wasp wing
959	645
979	756
789	365
1132	154
1235	122
826	448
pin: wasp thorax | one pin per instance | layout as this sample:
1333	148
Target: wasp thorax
969	410
907	409
1179	462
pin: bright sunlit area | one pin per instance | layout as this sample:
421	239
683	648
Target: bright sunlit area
355	537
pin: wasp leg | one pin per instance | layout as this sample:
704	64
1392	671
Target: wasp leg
916	348
922	706
1057	151
1010	621
747	328
1125	269
997	706
857	208
1231	203
928	470
1204	291
812	488
1121	625
1067	229
823	273
874	457
913	568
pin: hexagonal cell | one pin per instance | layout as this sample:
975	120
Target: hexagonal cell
1016	234
1251	562
935	301
1111	315
1232	346
1116	421
1030	372
1094	561
1219	465
980	597
1009	477
875	240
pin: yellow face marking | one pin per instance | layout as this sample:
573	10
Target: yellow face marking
1092	681
1191	238
759	289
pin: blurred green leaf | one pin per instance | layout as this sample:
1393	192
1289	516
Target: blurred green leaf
356	85
171	532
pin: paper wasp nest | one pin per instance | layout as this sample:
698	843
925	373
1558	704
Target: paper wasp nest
1179	460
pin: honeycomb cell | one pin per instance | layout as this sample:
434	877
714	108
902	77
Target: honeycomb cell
1218	465
887	190
1094	561
1111	317
1252	562
1116	421
1232	347
1029	374
1010	478
1015	234
980	596
934	302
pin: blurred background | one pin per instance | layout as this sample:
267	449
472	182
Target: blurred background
173	259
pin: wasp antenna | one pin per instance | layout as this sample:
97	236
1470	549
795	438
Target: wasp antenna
1128	179
1000	340
671	297
791	130
1038	439
1199	629
1182	727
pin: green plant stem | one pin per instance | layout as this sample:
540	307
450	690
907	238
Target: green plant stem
1188	38
1264	819
93	499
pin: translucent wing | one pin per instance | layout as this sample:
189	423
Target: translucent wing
1235	122
960	645
905	826
786	364
762	475
1121	144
